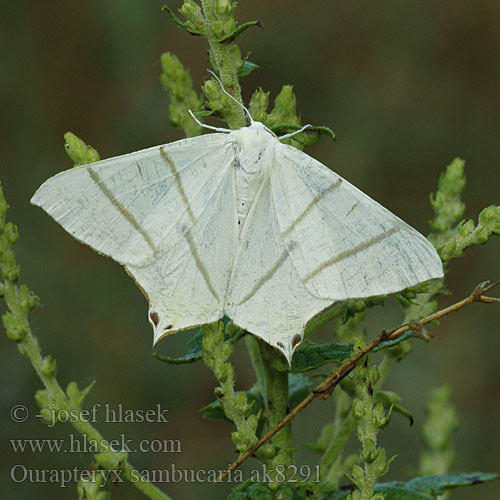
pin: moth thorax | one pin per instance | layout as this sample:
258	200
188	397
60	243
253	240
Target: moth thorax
253	158
254	149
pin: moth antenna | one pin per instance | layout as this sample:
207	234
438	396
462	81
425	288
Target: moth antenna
203	125
287	136
230	96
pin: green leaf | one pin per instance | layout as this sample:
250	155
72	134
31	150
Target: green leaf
214	409
308	137
240	29
251	490
299	388
438	484
313	356
75	395
247	67
391	343
186	26
193	352
423	488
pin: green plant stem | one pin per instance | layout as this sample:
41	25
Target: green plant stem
217	354
253	347
228	73
370	418
30	347
277	405
437	431
18	329
330	457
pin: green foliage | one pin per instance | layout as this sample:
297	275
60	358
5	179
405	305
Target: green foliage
258	105
79	152
177	81
216	354
193	352
446	202
299	388
53	401
420	488
191	11
251	490
437	432
247	67
466	234
92	487
423	488
451	234
333	439
371	418
310	357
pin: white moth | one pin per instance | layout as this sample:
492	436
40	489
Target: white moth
237	223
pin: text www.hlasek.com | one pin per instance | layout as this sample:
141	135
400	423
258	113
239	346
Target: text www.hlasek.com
83	444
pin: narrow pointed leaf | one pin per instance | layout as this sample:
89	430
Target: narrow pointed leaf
180	23
214	409
390	343
313	356
299	388
247	67
193	352
308	137
240	29
422	488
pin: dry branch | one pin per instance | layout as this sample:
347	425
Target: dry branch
325	389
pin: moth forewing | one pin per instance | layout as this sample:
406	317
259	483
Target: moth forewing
343	243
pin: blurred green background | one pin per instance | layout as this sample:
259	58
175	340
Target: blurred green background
407	86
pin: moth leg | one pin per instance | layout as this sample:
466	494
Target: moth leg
287	136
217	129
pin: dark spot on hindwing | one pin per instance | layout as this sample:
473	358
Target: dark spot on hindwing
154	318
296	340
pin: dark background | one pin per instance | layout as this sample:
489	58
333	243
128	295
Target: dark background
406	85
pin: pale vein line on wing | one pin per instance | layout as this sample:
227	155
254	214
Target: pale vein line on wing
265	278
352	251
178	182
121	209
189	238
309	207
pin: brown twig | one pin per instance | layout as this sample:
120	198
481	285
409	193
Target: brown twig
325	389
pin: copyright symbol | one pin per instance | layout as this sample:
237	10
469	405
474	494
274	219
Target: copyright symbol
19	413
